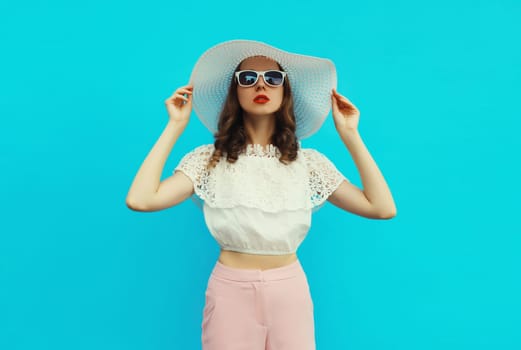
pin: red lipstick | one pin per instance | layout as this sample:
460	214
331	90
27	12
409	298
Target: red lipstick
261	99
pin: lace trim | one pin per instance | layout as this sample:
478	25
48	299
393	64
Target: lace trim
257	150
261	180
324	177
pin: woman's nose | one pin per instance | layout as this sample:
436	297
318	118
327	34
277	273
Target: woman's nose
260	84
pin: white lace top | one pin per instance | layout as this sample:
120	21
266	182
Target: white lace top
259	205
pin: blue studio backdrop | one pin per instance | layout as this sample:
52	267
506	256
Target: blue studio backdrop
82	90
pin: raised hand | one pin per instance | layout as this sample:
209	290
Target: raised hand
345	114
179	105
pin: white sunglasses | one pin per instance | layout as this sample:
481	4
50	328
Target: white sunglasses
247	78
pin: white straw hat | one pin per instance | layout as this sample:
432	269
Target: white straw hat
311	79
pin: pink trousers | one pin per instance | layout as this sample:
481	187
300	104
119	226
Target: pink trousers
252	309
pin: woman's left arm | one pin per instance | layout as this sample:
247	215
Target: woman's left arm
375	200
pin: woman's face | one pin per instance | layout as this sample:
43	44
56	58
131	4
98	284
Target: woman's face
260	99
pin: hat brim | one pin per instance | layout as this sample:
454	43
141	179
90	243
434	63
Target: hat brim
311	78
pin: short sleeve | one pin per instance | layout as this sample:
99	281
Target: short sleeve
193	165
324	177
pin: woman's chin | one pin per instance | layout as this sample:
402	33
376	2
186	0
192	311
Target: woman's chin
261	110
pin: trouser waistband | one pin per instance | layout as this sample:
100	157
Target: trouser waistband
236	274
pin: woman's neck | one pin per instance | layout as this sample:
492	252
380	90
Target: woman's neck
259	129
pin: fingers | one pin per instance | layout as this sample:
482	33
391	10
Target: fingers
340	97
188	87
342	101
179	96
183	93
175	98
185	90
338	100
342	104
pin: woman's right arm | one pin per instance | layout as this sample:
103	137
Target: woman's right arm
147	192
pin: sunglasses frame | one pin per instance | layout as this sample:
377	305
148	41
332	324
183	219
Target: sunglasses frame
260	73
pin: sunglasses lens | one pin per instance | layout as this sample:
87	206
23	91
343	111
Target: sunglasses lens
247	78
274	78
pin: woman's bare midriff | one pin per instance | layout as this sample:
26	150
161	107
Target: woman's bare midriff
255	261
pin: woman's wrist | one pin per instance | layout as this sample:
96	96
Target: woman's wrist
175	126
349	134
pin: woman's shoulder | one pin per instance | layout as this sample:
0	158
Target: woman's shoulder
317	160
197	157
205	147
201	151
311	154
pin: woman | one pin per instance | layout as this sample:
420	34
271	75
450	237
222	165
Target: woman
258	186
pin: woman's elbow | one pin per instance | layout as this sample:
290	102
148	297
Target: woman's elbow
389	214
132	204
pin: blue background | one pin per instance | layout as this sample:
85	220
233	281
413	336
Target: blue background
82	90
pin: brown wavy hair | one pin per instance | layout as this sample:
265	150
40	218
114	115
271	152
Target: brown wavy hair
231	138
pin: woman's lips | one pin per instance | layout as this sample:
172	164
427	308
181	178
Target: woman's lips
261	99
